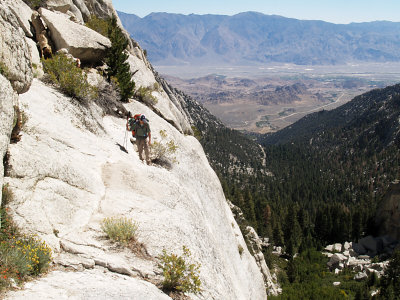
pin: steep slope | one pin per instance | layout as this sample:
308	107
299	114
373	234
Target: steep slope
73	178
68	173
372	116
336	166
255	38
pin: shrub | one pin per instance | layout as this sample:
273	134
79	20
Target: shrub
144	94
196	133
122	230
240	249
3	69
162	152
179	274
6	194
20	256
63	72
36	253
98	24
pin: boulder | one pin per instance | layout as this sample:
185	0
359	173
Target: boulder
337	247
328	254
329	248
102	9
361	276
369	243
346	253
8	97
80	41
59	5
76	13
80	4
23	14
35	56
346	246
337	258
359	248
14	51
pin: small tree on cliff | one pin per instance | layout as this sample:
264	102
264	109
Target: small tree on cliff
117	67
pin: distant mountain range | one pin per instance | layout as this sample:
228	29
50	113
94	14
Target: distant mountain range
369	122
255	38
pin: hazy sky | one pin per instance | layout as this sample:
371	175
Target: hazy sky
335	11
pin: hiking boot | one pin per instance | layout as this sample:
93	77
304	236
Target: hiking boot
148	163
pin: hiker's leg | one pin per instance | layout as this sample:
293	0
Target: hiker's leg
146	151
140	145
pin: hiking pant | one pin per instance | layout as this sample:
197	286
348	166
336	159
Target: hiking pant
142	144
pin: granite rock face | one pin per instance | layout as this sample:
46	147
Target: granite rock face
75	177
388	213
14	51
8	98
80	41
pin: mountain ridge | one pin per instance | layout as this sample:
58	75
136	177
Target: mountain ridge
255	38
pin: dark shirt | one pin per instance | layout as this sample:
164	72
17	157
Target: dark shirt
141	130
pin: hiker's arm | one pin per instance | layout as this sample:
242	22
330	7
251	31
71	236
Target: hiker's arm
150	138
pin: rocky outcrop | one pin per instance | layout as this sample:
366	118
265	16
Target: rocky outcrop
388	213
102	9
8	98
14	51
96	286
80	41
59	5
66	7
256	248
23	14
358	256
256	245
81	6
75	177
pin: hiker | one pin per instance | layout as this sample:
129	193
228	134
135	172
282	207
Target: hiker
141	130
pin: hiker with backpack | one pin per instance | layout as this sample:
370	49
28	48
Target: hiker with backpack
140	128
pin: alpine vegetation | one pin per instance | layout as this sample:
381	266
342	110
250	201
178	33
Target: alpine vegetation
64	73
118	69
179	273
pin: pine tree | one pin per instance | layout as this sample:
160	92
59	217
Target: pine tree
117	67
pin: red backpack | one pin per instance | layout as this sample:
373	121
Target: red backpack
132	121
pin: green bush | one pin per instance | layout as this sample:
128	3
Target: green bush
162	152
144	94
179	274
98	24
3	69
7	195
63	72
122	230
196	133
20	256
